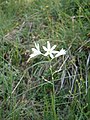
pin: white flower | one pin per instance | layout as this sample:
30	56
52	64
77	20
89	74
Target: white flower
61	52
36	52
49	50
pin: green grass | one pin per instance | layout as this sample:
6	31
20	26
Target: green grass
24	93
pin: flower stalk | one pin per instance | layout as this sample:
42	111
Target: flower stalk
53	93
50	53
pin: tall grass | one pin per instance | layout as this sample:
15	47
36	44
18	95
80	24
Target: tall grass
24	92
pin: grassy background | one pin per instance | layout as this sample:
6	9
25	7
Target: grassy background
24	94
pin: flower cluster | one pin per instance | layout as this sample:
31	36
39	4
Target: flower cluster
49	51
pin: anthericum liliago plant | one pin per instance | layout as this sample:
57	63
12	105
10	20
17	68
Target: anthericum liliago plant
51	53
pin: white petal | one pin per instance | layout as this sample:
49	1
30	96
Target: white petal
39	53
34	50
45	48
48	45
61	52
35	54
57	55
32	55
54	51
37	46
51	55
53	47
46	54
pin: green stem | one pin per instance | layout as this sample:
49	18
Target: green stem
53	93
